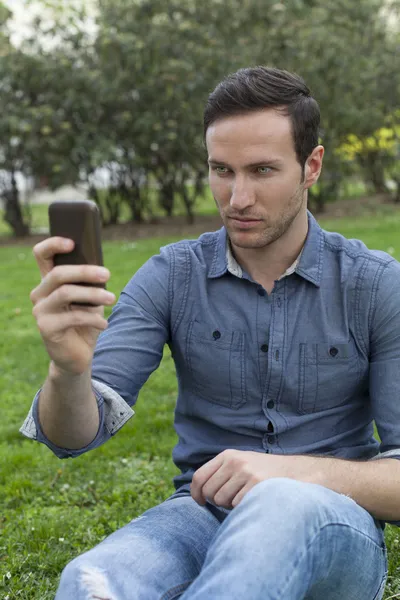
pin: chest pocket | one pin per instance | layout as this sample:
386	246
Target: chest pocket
216	361
329	374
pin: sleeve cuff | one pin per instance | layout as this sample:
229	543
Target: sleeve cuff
388	454
114	412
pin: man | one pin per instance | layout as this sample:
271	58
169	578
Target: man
286	341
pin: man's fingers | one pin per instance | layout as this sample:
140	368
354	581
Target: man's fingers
63	296
221	487
44	252
230	490
69	274
52	327
241	494
201	476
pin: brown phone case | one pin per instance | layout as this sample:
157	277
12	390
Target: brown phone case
78	220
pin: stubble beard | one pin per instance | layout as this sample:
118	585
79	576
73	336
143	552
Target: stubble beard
271	231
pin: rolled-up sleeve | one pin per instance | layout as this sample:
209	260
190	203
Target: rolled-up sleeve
126	353
113	414
384	379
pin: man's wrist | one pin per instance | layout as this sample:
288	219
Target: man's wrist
57	374
317	469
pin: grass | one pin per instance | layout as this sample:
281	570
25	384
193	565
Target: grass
52	510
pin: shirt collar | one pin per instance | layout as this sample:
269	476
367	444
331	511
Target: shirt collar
308	264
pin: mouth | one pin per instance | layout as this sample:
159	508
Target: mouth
245	223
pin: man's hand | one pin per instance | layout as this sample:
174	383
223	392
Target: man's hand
227	478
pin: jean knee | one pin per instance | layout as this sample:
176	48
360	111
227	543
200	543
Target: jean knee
82	580
292	498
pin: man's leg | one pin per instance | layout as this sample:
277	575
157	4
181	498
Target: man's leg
155	557
290	540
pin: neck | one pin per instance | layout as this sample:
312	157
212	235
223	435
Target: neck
267	264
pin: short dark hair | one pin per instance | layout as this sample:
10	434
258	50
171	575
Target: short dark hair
261	87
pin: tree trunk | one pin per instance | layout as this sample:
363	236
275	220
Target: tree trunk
133	197
396	198
188	202
13	213
113	203
94	195
374	173
166	197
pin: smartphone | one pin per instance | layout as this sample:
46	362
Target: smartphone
78	220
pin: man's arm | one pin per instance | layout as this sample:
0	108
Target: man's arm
374	485
69	410
68	399
228	477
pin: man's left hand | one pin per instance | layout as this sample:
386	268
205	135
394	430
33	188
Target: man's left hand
227	478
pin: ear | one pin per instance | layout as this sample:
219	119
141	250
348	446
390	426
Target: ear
313	166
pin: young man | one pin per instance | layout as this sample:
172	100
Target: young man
286	340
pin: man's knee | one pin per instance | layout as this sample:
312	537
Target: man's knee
80	579
294	499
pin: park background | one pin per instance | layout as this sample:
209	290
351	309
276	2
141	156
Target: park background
103	99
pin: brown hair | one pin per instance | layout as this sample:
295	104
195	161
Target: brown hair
261	87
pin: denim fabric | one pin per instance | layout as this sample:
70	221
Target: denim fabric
285	540
303	370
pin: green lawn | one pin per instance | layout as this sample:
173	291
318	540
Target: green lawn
51	510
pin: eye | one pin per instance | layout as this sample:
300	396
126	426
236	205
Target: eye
221	170
263	170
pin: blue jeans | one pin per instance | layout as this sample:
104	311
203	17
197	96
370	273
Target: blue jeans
286	540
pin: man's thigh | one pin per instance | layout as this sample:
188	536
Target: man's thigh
289	539
155	557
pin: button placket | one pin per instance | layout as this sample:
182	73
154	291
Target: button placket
273	384
263	318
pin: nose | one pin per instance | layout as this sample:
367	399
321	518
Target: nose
242	195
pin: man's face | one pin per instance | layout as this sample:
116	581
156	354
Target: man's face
254	176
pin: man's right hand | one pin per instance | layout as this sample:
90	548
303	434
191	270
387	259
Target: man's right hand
69	332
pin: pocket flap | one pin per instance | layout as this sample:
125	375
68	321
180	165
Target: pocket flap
327	353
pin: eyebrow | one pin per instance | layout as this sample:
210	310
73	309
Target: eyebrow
266	162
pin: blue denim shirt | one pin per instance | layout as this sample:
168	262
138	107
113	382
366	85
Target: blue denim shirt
303	370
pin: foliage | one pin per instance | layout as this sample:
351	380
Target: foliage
126	95
377	154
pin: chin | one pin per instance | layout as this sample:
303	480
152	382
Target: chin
247	239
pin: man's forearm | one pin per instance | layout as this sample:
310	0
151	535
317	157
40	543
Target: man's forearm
68	412
374	485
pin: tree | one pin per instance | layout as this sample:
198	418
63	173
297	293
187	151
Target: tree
377	154
128	95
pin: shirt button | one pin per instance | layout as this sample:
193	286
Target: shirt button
261	292
216	335
271	439
270	404
333	351
264	348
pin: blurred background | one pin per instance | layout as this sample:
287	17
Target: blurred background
104	99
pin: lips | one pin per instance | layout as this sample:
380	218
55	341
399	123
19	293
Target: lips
245	220
245	224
